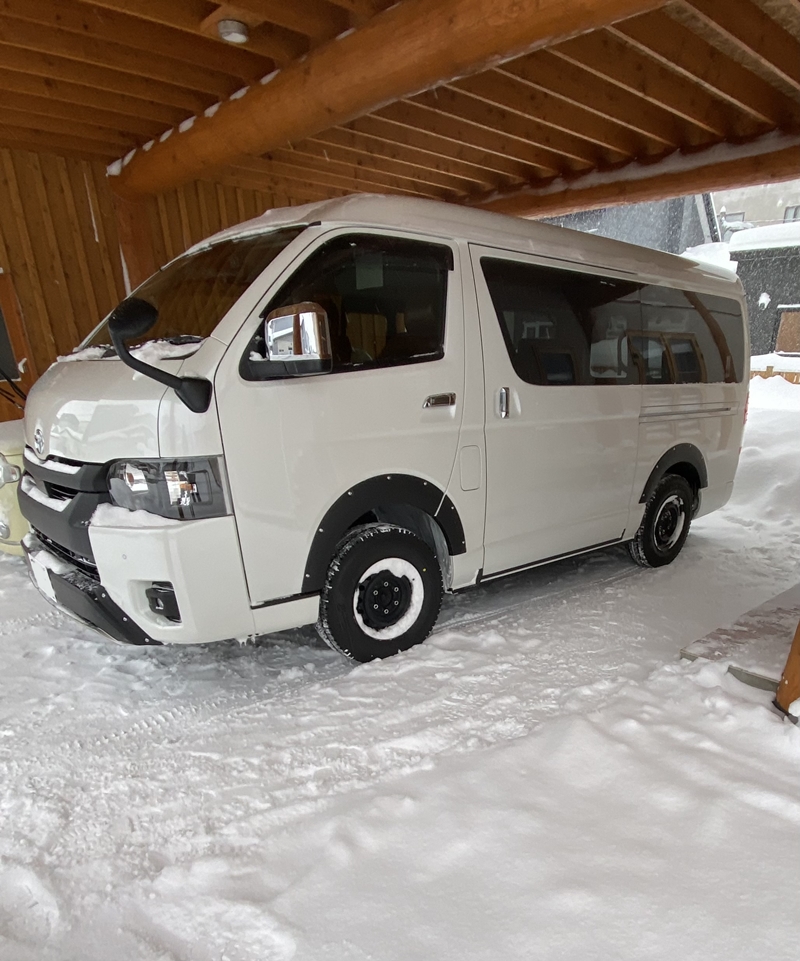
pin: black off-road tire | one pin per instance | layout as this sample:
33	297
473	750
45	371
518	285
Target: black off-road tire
345	611
665	524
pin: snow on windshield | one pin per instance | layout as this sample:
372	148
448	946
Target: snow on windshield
542	779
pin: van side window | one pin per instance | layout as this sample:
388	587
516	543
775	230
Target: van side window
563	327
701	337
385	298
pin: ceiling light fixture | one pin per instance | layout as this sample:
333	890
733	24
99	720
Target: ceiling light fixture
233	31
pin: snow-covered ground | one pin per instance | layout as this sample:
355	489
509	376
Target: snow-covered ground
541	780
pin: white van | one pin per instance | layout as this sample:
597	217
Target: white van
340	410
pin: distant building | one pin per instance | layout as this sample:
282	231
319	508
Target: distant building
768	261
669	225
758	206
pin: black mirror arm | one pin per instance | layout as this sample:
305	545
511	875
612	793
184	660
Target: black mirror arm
195	392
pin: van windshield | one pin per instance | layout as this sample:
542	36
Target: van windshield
194	292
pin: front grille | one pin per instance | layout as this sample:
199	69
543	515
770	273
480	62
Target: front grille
83	564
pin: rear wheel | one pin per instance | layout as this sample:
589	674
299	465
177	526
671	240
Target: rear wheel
665	524
382	593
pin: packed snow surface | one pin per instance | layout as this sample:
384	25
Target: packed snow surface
542	779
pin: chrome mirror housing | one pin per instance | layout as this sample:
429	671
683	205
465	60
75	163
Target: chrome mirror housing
299	336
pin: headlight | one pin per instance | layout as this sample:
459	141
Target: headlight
172	488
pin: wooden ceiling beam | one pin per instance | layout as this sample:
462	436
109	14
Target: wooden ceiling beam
320	21
63	92
373	146
566	150
679	48
36	107
548	72
752	30
113	56
102	78
460	138
702	171
345	79
280	45
20	138
330	147
613	60
570	120
107	26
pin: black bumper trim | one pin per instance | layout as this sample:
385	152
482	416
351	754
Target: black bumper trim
88	601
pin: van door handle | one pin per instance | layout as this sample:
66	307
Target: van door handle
440	400
503	398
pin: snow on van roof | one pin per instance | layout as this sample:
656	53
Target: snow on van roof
434	217
765	238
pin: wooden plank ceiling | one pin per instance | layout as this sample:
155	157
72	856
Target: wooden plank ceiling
704	86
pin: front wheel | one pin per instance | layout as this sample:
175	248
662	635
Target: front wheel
382	593
665	524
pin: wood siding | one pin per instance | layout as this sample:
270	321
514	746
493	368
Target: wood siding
60	247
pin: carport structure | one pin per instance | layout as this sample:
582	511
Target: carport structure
530	107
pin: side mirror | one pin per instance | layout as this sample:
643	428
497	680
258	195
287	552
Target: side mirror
133	318
299	337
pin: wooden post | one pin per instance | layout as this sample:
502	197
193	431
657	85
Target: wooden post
135	238
789	687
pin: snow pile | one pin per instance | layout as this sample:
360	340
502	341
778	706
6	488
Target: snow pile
108	515
787	362
718	254
542	779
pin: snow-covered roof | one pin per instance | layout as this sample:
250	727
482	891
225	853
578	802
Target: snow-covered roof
766	238
484	227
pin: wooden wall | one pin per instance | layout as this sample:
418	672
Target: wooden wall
59	243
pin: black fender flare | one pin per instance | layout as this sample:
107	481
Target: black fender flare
679	454
384	491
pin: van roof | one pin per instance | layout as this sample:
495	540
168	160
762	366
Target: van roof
436	218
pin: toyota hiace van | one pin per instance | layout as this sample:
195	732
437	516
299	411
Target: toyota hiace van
333	413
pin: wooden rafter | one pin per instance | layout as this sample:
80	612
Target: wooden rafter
570	120
268	40
88	51
344	79
107	26
545	71
378	155
82	96
103	78
461	137
659	36
750	29
609	58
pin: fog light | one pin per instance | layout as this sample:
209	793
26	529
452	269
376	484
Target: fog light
162	600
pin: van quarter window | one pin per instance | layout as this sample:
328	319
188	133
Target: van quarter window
700	337
562	327
385	298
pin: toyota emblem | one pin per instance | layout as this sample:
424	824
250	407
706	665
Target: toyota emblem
38	441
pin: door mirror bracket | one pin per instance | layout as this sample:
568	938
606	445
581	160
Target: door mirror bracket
134	317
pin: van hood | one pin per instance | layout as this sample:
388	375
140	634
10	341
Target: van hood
94	411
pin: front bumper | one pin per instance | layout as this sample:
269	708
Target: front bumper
85	599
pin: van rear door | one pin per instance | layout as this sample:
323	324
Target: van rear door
562	406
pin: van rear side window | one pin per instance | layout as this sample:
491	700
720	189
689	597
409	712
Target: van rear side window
563	327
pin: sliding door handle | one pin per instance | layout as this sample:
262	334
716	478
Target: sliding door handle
503	401
440	400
